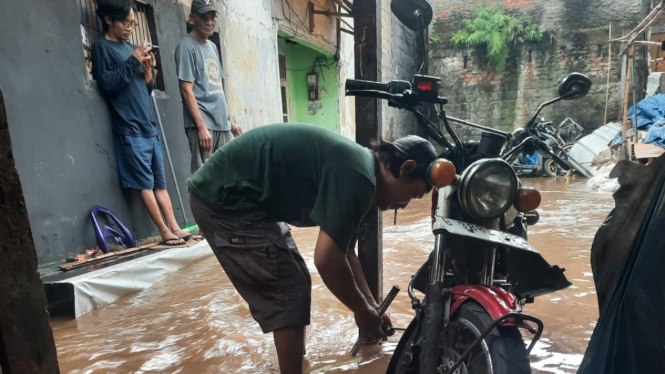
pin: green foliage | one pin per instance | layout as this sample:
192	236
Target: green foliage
434	39
496	31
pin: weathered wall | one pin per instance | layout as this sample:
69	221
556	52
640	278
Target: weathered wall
575	40
248	30
60	125
399	58
300	61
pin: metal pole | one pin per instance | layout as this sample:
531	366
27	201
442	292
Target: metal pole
168	157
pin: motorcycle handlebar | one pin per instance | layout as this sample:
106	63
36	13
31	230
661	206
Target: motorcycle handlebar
373	93
355	84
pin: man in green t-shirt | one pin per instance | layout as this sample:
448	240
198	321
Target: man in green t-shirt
245	193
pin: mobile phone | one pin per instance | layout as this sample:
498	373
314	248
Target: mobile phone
155	49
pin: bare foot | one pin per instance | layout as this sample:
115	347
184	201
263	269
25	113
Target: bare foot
171	239
185	235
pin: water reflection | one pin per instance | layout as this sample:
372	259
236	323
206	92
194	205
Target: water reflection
194	322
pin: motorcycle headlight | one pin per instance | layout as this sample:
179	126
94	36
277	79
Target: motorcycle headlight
488	188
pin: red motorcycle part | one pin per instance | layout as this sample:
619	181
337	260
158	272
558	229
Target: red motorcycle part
495	300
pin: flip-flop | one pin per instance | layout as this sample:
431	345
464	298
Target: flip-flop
167	244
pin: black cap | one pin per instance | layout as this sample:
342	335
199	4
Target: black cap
203	6
419	150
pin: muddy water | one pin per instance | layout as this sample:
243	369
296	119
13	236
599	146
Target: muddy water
194	322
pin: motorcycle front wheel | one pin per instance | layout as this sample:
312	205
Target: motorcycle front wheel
550	168
501	352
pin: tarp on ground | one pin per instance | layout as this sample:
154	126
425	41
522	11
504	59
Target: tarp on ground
629	337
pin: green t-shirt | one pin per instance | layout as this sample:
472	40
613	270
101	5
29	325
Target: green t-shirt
298	173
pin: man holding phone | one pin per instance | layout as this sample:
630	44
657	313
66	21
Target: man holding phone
124	76
207	123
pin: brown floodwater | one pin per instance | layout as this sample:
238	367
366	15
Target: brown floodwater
193	321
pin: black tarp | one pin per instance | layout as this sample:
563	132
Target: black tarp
629	337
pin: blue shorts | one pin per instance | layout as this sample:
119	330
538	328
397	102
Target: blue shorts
140	162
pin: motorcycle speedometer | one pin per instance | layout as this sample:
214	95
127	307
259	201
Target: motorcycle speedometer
488	188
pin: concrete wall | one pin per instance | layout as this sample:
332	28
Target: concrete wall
60	125
248	30
400	59
300	61
575	40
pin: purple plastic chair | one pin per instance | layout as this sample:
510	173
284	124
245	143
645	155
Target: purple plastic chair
102	233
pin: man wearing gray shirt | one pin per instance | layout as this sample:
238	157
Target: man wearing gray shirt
207	123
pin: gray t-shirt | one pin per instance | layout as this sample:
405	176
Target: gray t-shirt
199	63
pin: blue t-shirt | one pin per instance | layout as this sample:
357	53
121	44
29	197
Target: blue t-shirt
120	78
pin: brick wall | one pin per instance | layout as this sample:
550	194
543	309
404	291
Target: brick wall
575	40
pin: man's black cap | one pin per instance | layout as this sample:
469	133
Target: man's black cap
203	6
419	150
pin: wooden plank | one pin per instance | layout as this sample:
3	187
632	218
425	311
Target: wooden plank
642	151
368	129
609	71
341	4
26	338
74	265
626	91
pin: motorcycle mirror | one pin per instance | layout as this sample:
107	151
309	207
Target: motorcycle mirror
414	14
574	86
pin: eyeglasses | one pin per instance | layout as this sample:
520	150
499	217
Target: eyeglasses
129	24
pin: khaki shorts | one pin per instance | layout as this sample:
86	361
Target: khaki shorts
199	156
262	261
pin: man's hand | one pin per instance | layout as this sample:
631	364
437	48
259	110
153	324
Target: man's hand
369	323
235	129
205	140
147	67
142	52
147	63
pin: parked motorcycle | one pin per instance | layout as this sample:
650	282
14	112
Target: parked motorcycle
536	164
482	270
559	138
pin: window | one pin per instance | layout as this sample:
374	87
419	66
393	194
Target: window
146	29
283	86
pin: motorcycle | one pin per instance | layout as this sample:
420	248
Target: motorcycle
482	270
535	164
560	139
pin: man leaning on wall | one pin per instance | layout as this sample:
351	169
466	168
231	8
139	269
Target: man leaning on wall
207	123
124	76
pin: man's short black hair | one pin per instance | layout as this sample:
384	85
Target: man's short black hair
389	156
116	10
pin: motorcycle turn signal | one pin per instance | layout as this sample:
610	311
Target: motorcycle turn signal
441	173
528	199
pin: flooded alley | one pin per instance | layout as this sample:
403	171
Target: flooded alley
194	322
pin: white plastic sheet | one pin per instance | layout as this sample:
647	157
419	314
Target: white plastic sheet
102	287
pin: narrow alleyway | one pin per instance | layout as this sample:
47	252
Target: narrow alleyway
194	322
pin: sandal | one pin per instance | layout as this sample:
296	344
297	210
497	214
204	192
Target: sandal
173	242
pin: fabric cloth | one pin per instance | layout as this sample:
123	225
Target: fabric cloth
199	63
140	162
120	78
262	261
219	138
628	337
297	173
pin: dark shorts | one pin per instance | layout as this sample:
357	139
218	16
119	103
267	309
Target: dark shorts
262	261
140	162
